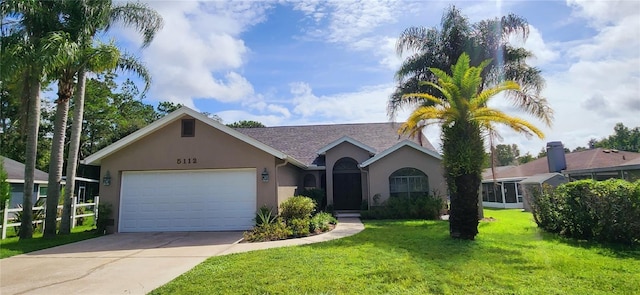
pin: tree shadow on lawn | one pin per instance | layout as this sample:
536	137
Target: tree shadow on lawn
606	249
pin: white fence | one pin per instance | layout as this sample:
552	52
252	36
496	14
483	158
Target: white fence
7	218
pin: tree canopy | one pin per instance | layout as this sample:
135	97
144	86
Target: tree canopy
462	112
246	124
440	47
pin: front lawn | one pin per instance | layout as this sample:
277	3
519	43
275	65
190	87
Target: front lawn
13	246
509	256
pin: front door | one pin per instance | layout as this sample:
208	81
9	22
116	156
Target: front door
347	185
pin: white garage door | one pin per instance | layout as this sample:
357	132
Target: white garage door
199	200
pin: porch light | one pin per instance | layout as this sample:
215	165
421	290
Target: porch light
265	175
106	180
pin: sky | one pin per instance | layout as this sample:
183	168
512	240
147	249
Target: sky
321	62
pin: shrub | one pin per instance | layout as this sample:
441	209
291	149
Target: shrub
544	206
322	222
104	213
423	207
329	209
299	226
276	230
37	215
80	211
317	195
606	211
264	215
297	207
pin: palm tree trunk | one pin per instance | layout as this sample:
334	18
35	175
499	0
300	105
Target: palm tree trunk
74	148
57	158
463	141
33	124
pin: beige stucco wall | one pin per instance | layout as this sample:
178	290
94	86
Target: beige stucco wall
212	149
340	151
288	181
380	171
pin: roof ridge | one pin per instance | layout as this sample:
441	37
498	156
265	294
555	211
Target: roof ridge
325	124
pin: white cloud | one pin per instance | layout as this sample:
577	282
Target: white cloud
366	105
599	82
198	53
602	13
356	25
543	53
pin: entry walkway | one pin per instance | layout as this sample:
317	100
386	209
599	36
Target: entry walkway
132	263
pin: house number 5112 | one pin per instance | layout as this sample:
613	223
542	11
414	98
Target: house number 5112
181	161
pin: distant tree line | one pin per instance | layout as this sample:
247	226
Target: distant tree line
111	112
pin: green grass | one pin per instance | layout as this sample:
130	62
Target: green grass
510	256
13	246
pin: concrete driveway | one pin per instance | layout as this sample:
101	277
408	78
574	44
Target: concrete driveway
131	263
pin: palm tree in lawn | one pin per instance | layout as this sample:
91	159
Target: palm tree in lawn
30	49
460	108
86	19
484	40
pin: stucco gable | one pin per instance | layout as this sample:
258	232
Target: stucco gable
396	147
348	139
96	158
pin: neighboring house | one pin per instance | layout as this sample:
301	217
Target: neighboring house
503	187
87	183
15	177
187	172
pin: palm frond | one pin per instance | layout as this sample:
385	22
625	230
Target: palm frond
483	97
139	15
412	38
130	63
517	124
427	97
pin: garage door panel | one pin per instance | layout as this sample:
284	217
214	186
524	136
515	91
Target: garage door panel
205	200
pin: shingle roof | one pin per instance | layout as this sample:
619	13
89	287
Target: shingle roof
15	171
303	142
589	159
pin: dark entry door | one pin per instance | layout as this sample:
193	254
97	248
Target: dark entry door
347	185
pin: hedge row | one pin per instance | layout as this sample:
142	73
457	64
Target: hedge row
420	207
605	211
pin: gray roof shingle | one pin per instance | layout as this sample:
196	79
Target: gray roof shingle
303	142
589	159
15	170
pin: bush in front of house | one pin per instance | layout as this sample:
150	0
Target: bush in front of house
322	222
295	220
425	206
296	212
275	230
298	207
318	195
300	227
604	211
104	214
264	215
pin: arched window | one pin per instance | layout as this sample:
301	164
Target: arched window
408	182
346	165
309	181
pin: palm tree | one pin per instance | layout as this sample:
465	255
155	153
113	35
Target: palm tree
485	40
85	20
27	29
460	107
